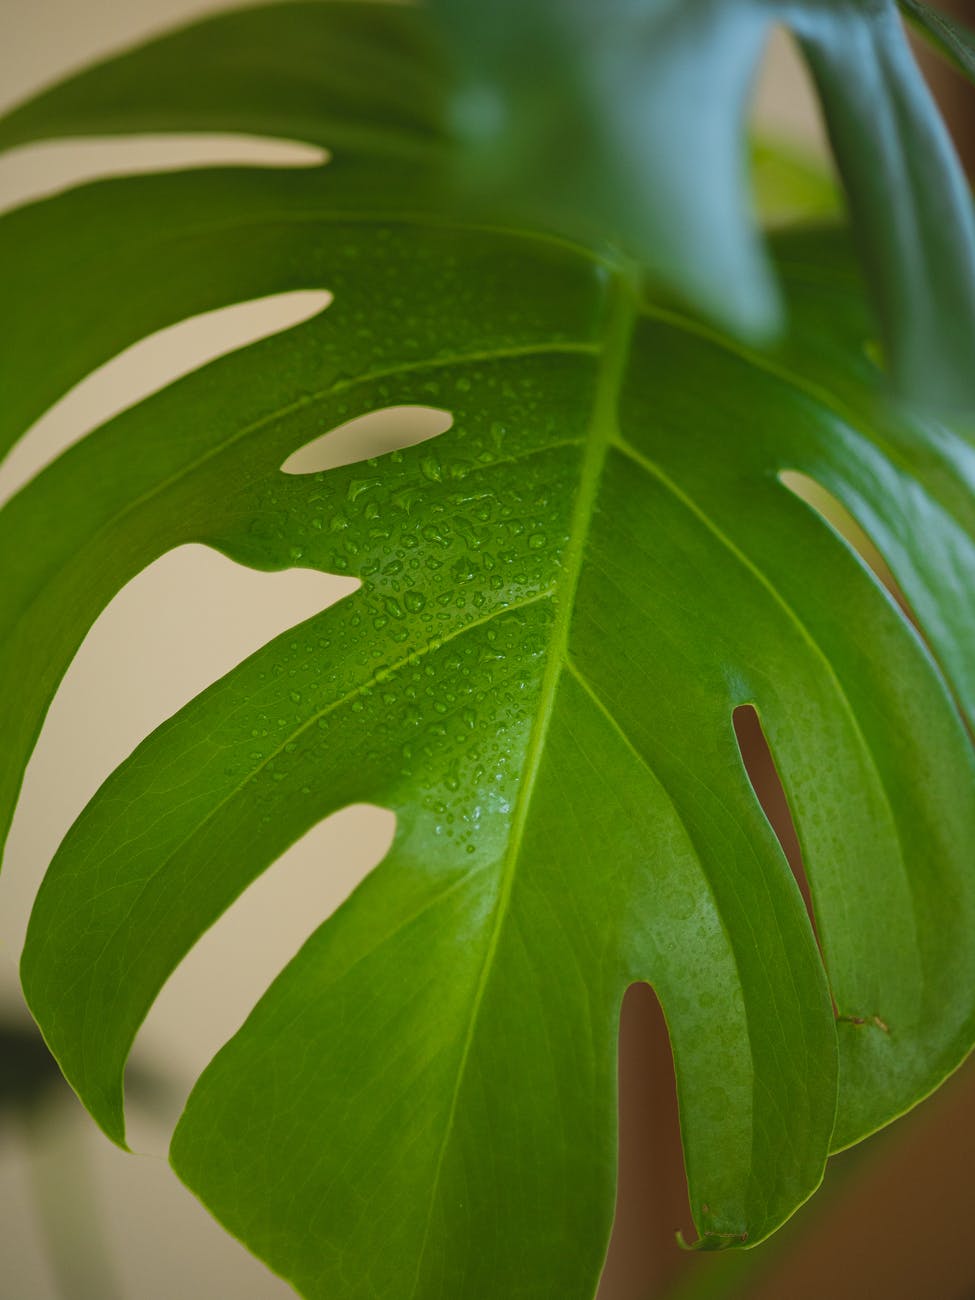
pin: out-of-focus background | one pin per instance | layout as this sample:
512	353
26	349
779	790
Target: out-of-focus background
80	1220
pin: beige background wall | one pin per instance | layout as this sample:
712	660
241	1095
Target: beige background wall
173	630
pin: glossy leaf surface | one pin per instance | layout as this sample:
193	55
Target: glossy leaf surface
564	598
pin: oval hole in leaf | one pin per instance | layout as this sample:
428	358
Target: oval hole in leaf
765	781
209	995
180	625
368	436
839	518
651	1185
148	366
34	171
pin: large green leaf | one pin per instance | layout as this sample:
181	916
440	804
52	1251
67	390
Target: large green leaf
563	600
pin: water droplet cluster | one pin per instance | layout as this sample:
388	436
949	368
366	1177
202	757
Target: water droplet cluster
419	690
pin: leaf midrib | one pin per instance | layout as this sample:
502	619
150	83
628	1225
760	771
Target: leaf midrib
619	315
156	490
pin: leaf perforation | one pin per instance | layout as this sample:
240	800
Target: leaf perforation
619	318
621	731
109	524
333	706
638	458
832	407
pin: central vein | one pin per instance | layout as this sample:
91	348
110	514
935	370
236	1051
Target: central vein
619	312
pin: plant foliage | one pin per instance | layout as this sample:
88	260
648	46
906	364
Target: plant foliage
563	600
949	37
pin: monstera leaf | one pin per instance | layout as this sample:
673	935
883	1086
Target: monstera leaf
563	600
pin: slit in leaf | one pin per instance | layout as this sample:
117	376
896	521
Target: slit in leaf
652	1198
181	624
39	169
841	521
764	777
217	984
149	366
391	429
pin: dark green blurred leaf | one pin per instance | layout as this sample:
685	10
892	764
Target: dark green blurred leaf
909	201
624	121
